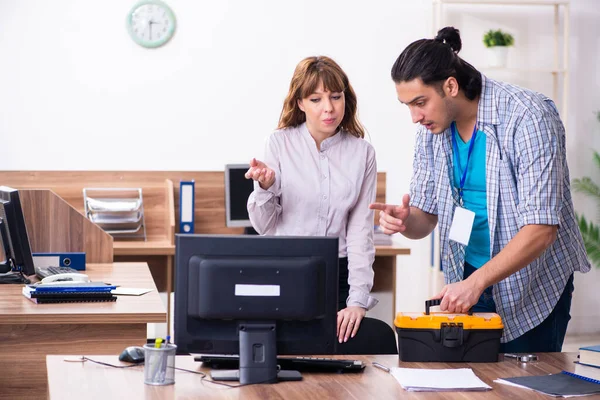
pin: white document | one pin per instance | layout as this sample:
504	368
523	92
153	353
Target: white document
120	291
462	225
438	380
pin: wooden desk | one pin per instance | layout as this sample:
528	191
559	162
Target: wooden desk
159	212
161	208
151	247
29	331
385	277
90	381
159	253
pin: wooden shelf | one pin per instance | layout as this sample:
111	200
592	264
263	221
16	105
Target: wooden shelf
151	247
507	2
391	250
524	70
559	68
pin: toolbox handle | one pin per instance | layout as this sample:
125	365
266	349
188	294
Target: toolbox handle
431	303
437	302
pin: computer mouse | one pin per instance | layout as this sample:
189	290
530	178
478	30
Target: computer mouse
132	354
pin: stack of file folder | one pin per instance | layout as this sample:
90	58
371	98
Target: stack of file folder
69	292
119	211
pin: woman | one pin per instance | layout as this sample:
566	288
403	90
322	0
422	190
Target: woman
318	178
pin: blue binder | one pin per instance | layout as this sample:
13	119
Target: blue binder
78	287
187	198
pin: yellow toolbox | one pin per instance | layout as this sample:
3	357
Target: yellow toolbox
445	337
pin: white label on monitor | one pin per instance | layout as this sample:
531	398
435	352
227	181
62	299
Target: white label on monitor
186	203
257	290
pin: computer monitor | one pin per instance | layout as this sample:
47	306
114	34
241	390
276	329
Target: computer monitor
237	191
256	296
18	260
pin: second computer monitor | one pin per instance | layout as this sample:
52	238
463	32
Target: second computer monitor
13	232
237	191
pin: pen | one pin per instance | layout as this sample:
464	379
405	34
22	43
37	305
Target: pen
381	366
157	362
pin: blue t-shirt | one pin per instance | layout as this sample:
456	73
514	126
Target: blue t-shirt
474	195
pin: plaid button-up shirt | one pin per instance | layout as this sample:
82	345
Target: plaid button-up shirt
527	182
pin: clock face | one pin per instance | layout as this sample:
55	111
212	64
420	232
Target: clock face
151	23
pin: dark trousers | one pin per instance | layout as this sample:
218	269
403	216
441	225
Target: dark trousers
547	336
373	336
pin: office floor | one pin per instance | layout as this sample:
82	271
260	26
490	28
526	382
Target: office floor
572	342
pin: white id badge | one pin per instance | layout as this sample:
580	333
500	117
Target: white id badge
462	225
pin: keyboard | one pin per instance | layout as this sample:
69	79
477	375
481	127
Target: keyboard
295	363
47	271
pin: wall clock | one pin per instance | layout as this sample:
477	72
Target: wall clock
151	23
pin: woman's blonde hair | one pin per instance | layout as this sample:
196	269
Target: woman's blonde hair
309	73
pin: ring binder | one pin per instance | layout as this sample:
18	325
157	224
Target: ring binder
563	384
585	378
187	198
75	293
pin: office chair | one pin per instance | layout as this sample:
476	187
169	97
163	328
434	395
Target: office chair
374	337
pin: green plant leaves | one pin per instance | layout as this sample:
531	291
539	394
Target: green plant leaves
591	239
586	186
498	38
589	231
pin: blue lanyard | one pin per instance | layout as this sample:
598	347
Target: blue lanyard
457	156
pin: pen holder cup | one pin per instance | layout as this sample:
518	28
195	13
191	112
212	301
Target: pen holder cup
159	364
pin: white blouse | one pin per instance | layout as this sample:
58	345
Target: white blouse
322	193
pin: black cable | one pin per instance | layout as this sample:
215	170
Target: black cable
14	277
84	358
202	379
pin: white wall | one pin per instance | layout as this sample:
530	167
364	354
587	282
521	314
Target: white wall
77	93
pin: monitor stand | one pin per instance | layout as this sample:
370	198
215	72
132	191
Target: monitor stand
234	375
258	357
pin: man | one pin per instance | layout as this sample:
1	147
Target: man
490	167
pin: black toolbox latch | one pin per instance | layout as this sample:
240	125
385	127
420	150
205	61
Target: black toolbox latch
451	334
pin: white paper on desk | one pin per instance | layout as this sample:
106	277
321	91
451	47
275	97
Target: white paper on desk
438	380
120	291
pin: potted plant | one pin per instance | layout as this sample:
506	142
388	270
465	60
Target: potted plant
497	43
589	230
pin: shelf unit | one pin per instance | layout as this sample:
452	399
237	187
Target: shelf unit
558	69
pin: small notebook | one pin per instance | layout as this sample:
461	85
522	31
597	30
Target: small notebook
439	380
564	384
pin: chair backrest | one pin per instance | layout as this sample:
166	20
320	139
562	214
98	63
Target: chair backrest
374	337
